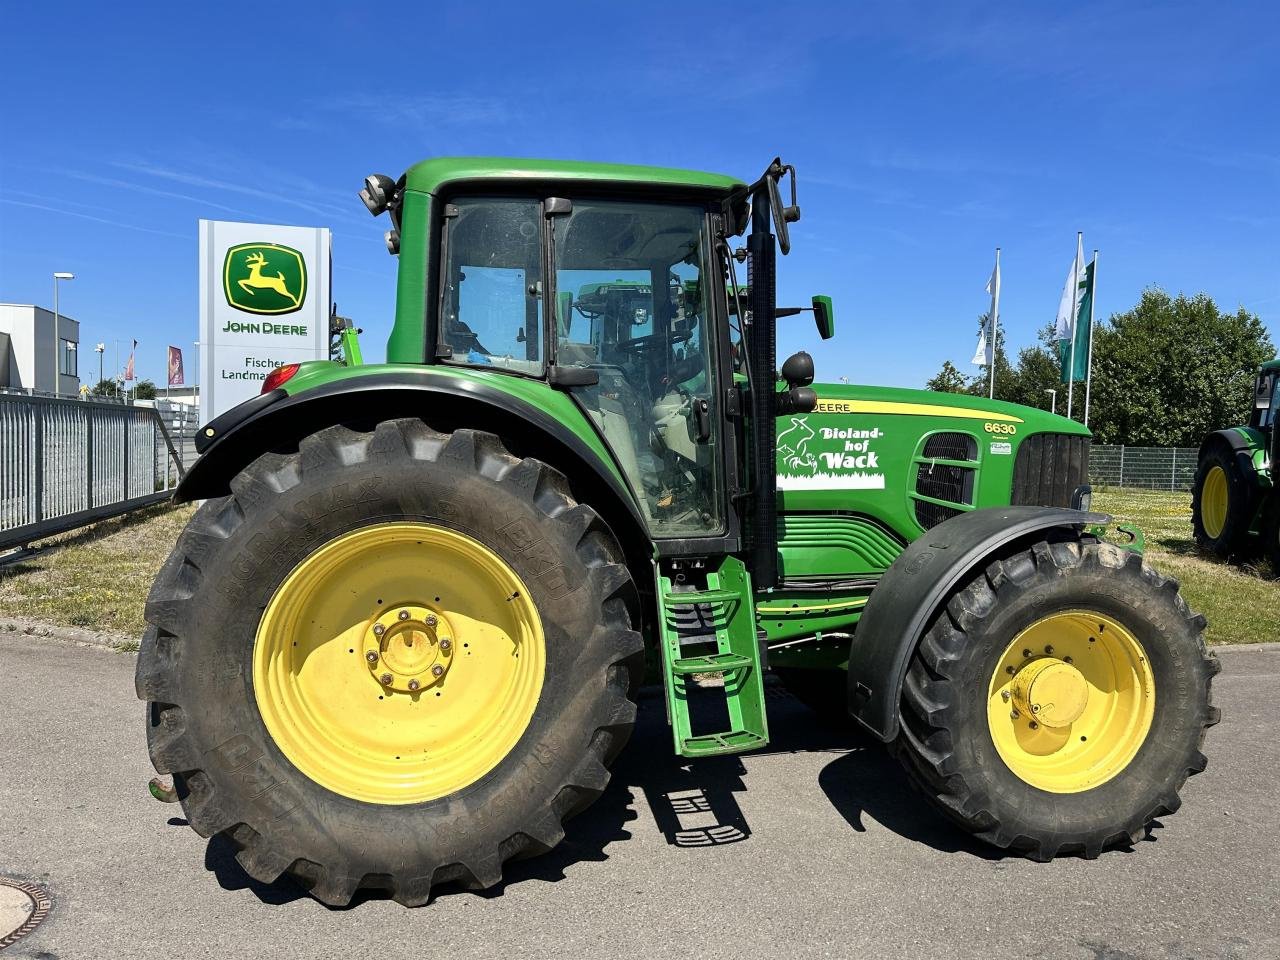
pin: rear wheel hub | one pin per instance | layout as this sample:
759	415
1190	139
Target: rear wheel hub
1071	701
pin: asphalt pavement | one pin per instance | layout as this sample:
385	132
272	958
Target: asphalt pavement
813	847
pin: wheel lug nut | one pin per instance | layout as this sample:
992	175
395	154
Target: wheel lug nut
371	657
1004	695
431	619
1067	660
1026	653
445	645
404	614
1034	725
1048	649
413	684
379	629
1010	671
1035	708
437	670
386	679
1014	714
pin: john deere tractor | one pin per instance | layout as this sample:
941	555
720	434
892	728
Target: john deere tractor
1235	499
399	643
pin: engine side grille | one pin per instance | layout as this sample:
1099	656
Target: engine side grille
1050	466
951	446
929	515
945	483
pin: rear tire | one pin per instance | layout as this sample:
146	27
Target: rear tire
198	672
952	712
1222	503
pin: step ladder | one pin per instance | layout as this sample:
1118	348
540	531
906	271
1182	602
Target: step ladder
732	630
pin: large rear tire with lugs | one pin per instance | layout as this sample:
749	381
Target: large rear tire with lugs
389	660
1059	700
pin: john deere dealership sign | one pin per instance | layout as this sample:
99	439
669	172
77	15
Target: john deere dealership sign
264	301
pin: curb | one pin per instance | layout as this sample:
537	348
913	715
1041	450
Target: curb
25	626
1268	646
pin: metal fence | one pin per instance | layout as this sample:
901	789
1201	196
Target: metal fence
67	462
1156	468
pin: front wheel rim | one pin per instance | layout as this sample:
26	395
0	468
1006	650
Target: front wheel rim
1213	502
1071	701
399	663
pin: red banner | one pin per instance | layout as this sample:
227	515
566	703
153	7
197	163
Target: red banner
175	367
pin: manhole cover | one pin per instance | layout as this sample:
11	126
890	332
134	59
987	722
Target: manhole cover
22	907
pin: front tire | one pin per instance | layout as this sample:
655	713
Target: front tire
306	633
1059	701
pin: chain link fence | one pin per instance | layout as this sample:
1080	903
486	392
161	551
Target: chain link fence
1153	468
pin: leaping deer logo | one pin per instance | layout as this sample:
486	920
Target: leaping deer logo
256	279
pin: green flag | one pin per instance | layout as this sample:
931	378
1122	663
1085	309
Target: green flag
1084	312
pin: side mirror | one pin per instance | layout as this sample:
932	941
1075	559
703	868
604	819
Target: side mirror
824	316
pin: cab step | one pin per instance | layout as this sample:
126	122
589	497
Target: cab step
731	630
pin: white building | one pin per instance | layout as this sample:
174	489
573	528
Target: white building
27	353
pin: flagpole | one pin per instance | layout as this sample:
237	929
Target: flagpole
1075	308
1088	370
995	324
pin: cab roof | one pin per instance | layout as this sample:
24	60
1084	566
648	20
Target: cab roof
430	176
1271	365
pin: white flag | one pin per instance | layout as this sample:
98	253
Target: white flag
1066	323
982	356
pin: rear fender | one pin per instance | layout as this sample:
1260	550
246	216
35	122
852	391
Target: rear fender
920	581
277	422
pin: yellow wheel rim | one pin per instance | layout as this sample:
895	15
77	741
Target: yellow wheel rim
1071	701
1213	502
399	663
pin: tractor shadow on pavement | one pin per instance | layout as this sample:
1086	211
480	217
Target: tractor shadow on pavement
693	803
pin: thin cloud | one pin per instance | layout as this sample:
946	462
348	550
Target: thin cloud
196	180
153	191
85	216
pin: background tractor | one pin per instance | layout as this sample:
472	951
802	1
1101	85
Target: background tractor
399	643
1235	502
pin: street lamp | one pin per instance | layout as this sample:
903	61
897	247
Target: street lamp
1053	400
100	349
57	340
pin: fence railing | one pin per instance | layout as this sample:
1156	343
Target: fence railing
67	462
1156	468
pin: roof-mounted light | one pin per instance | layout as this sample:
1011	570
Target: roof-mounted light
378	192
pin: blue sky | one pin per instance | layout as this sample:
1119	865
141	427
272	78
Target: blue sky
925	135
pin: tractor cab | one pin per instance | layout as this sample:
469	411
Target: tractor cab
1266	405
622	320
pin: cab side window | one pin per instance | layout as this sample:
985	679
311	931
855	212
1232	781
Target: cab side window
491	298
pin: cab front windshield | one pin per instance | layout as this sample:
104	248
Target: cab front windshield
631	305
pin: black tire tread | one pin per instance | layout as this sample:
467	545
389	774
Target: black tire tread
924	745
160	654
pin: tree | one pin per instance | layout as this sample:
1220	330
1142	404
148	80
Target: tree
951	380
145	390
948	380
1036	373
104	388
1173	369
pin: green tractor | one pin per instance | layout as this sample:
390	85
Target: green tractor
399	643
1235	499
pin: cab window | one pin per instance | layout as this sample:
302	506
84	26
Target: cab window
491	297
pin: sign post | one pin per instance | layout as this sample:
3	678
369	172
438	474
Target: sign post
264	301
